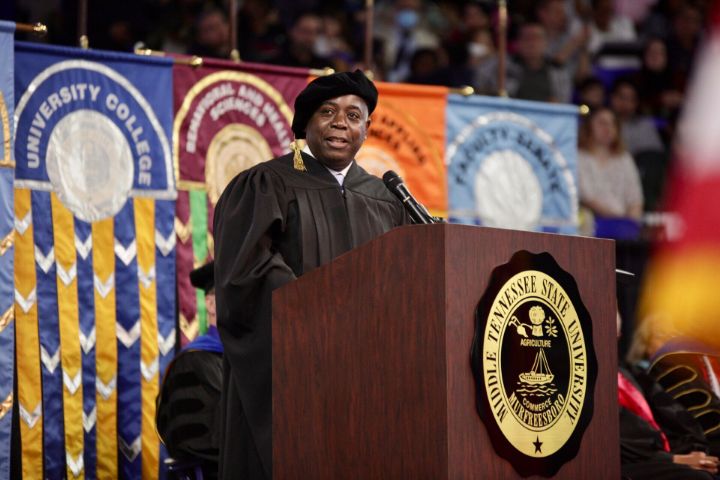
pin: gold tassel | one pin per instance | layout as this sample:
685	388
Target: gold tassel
297	157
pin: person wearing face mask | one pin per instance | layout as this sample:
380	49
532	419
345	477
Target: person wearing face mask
401	34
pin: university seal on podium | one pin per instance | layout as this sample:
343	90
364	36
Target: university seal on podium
534	363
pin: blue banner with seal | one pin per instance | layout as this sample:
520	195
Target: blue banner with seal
93	148
512	164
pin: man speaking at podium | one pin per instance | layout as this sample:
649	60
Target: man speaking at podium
275	222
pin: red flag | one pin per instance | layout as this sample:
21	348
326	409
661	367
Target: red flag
680	297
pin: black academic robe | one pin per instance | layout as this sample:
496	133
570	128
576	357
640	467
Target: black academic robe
641	447
272	224
681	370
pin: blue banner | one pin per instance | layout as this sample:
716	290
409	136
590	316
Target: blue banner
7	164
93	139
512	164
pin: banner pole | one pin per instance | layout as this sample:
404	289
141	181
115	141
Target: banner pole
465	90
369	17
234	52
82	24
193	61
502	46
40	29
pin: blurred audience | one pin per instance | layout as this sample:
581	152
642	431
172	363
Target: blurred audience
402	29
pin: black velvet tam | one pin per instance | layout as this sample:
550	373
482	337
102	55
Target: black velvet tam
327	87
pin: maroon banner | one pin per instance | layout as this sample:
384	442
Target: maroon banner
228	117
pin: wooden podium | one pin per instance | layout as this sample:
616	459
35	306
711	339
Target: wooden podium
371	358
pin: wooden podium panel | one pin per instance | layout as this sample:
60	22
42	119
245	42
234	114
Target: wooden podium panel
371	357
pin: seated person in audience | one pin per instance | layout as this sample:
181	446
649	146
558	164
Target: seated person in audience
530	74
188	414
638	131
608	179
689	371
659	439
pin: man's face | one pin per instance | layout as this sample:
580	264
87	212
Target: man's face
337	130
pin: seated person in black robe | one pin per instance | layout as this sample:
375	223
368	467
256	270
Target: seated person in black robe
659	438
688	370
275	222
187	417
666	442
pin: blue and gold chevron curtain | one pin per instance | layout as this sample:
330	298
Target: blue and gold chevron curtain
7	235
94	259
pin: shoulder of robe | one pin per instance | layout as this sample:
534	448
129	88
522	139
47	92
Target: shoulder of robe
261	175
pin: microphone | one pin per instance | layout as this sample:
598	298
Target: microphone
417	211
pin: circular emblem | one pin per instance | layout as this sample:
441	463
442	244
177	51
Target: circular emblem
397	141
220	109
534	363
86	131
233	149
508	192
89	142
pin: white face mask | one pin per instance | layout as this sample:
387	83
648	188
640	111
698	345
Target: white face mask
322	47
407	18
477	50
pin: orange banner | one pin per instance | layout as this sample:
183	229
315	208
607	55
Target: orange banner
407	135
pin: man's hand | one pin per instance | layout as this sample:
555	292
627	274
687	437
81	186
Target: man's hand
698	461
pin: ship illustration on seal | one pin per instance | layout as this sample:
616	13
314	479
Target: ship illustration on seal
540	373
